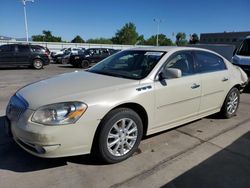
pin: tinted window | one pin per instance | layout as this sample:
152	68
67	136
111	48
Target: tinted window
96	52
37	49
23	49
183	61
105	51
244	48
7	48
89	52
208	62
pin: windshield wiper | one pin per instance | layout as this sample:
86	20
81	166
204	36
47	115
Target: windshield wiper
110	74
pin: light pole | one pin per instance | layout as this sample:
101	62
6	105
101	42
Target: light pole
25	18
158	21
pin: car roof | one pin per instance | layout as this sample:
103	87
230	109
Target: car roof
167	48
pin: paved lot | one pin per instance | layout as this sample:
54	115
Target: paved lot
210	152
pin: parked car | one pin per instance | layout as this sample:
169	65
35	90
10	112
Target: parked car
89	57
74	52
58	56
109	107
15	55
77	50
58	52
241	56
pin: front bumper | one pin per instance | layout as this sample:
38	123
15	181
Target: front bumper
51	141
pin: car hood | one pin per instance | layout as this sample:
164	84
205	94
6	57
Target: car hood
75	86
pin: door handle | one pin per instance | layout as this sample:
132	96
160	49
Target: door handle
194	86
224	79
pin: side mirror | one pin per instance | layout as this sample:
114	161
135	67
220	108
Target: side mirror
162	78
162	75
173	73
168	74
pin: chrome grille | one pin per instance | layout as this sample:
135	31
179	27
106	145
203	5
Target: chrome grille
16	107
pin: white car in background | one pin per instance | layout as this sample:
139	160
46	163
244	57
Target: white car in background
108	108
241	57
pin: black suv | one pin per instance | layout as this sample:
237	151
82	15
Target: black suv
89	57
15	55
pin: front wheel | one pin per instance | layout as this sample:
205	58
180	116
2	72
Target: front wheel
120	135
84	64
37	64
231	103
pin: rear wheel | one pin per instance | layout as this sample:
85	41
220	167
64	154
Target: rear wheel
84	64
231	103
38	64
119	136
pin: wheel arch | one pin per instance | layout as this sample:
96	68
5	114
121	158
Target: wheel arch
139	109
238	86
37	57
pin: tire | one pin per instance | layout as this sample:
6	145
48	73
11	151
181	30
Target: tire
84	64
119	135
231	103
37	64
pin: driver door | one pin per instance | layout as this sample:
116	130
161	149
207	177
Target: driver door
179	98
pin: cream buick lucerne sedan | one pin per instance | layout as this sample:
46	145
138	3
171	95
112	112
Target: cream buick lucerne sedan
107	109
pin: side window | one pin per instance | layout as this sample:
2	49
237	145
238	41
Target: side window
105	52
97	52
183	61
23	49
7	48
37	49
208	62
244	49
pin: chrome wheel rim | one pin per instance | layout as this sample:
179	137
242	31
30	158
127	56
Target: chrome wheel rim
122	137
38	64
232	102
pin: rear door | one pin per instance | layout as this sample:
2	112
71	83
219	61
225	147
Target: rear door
23	54
215	80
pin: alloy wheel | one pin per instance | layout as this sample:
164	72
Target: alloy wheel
122	137
232	103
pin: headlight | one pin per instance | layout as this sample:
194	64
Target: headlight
59	113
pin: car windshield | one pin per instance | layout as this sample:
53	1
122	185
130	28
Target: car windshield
244	49
134	64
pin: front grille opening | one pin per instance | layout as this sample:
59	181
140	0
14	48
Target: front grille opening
32	147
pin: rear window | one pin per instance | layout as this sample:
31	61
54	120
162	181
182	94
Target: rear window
23	49
37	49
208	62
7	48
244	48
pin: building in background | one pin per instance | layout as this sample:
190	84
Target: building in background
233	38
5	38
